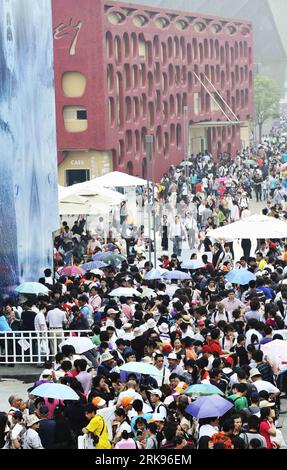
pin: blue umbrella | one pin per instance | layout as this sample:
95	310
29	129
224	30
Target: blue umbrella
209	407
32	288
94	265
56	391
169	275
101	255
240	276
141	368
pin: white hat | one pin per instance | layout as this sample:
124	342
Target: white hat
172	356
228	286
266	404
46	373
147	360
112	310
164	328
137	332
169	400
156	391
127	326
254	372
106	357
31	419
151	323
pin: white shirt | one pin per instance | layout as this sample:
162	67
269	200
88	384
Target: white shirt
207	430
109	416
124	427
251	332
164	378
31	440
129	393
40	322
267	386
56	318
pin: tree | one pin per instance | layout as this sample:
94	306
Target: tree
267	99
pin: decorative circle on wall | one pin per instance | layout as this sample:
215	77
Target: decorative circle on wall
181	25
140	20
199	26
116	17
162	22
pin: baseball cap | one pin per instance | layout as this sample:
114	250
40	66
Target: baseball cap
98	401
126	401
229	360
127	326
266	404
156	392
46	373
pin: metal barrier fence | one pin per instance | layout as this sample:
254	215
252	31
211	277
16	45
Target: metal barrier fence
32	347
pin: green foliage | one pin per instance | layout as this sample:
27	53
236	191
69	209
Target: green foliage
267	99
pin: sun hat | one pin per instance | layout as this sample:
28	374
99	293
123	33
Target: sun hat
186	318
106	357
164	328
98	401
31	420
156	391
254	372
266	404
111	311
147	360
151	323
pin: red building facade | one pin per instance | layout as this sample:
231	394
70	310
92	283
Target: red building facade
123	71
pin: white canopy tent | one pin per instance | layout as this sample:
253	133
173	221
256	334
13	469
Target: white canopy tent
117	179
90	191
253	227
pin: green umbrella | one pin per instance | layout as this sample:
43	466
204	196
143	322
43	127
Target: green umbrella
200	390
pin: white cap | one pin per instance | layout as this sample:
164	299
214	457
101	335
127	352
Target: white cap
164	328
127	326
156	391
172	356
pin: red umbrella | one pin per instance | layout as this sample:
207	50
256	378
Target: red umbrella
72	271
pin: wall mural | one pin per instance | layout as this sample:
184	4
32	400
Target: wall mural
28	153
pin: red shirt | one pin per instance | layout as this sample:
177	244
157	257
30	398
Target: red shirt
215	346
263	428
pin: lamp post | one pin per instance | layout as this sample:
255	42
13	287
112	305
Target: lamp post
186	138
151	207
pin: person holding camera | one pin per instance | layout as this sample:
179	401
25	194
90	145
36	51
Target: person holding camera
97	427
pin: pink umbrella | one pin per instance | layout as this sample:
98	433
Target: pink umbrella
221	180
73	271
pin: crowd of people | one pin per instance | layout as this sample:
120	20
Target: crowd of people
198	331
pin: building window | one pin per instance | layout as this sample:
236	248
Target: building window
126	45
109	45
128	108
121	152
74	84
178	136
111	111
163	53
197	103
110	77
170	47
75	119
117	50
128	141
156	46
142	48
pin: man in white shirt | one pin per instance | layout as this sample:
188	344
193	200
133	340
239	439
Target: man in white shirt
130	392
56	319
231	303
260	384
159	364
209	429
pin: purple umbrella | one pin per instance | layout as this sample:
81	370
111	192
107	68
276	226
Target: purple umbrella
209	407
72	271
176	275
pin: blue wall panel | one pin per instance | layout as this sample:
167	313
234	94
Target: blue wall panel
28	154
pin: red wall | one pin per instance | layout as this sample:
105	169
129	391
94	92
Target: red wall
229	70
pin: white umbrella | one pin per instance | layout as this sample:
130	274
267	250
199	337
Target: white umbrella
81	344
154	274
193	264
276	353
141	368
253	227
124	292
176	275
117	179
146	292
